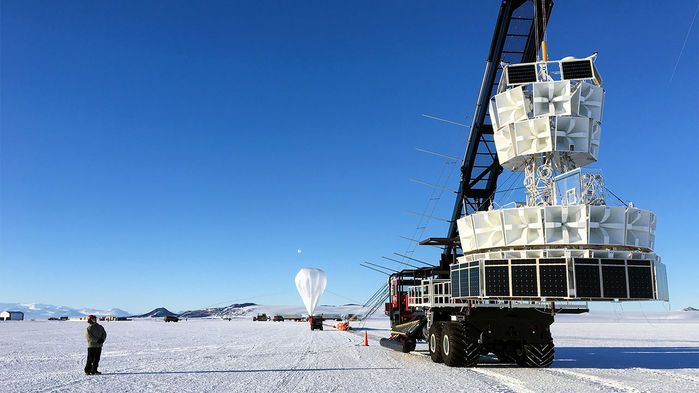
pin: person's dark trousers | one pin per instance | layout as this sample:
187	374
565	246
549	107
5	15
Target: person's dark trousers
93	360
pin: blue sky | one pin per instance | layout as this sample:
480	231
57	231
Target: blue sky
178	154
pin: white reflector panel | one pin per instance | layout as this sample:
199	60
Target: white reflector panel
509	107
591	101
533	136
488	229
552	98
638	227
504	143
607	224
466	234
523	226
572	134
565	225
661	288
652	230
595	136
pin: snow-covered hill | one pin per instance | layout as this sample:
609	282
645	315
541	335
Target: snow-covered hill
159	312
250	309
45	311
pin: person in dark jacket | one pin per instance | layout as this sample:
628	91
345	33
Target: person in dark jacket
95	336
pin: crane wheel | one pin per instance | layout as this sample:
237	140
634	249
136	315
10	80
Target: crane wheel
457	349
538	355
434	342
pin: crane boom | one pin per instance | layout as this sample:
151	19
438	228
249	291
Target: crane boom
518	30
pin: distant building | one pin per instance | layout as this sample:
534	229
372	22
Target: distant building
101	318
11	316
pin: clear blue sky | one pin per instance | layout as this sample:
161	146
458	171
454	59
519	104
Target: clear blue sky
178	154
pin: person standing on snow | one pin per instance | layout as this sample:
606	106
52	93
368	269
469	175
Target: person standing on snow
95	335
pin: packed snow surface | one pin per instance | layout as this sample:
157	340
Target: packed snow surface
592	355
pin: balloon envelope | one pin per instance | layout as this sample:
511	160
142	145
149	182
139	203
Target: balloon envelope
311	283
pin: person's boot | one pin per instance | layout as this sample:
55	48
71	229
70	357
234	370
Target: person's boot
96	373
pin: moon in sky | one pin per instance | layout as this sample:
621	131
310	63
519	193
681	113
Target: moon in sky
298	251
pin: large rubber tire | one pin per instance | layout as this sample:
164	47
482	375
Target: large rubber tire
457	349
434	342
538	355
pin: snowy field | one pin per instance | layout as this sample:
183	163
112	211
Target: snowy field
592	355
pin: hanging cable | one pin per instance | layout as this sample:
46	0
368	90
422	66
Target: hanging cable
615	196
536	30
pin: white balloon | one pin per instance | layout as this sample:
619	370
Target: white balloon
311	283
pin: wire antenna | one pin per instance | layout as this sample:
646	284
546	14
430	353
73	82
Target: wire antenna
444	120
427	216
376	270
401	262
436	187
414	259
450	158
382	267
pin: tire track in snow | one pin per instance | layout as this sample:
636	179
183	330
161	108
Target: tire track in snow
668	374
514	384
609	384
288	375
493	381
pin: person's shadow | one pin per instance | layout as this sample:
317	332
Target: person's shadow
298	370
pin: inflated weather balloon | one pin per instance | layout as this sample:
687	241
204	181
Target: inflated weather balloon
311	283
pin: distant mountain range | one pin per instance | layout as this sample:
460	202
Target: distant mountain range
45	311
234	310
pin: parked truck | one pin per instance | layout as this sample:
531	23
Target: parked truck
506	272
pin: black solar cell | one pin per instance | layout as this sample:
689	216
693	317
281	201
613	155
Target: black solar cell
577	69
521	73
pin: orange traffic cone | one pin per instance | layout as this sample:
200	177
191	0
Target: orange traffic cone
366	339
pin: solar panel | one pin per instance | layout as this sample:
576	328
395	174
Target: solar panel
587	280
497	281
553	280
524	281
640	282
523	73
474	282
455	287
577	69
614	282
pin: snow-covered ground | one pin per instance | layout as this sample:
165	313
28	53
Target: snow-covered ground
595	354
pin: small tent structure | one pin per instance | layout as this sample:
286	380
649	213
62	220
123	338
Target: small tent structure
11	316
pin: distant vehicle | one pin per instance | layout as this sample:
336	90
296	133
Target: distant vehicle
316	322
261	317
171	318
344	326
278	318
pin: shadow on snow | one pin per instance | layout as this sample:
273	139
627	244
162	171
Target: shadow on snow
617	357
252	371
